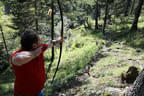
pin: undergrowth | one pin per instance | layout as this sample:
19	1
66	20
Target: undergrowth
82	49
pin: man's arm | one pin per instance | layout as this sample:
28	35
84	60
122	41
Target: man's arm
25	56
51	43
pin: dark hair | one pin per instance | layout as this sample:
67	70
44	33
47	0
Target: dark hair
28	38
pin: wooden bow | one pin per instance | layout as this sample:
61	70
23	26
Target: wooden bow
61	14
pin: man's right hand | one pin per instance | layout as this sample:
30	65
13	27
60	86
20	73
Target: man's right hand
37	51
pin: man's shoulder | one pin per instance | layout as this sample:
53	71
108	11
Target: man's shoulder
17	51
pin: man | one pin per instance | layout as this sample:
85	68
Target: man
28	65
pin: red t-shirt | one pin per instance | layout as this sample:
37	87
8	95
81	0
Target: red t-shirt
30	77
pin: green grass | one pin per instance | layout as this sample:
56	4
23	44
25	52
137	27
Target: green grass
82	50
108	69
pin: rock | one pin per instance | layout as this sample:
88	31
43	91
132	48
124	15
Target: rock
130	59
138	50
130	75
108	44
109	49
117	48
62	94
110	91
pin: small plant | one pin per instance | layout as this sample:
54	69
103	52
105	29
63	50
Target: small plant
107	94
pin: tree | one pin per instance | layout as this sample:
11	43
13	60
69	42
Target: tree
96	15
27	14
128	3
137	14
132	7
4	57
105	19
36	15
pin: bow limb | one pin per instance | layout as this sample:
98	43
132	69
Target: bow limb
61	15
52	37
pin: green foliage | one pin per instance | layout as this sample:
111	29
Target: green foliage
107	94
5	21
74	61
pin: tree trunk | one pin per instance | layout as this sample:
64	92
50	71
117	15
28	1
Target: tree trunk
137	14
96	17
3	37
52	38
86	23
132	7
128	3
105	19
138	86
36	19
4	63
52	29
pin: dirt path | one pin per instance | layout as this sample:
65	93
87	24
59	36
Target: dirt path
103	73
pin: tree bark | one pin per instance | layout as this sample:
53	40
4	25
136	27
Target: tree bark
105	19
128	3
138	86
96	17
132	7
137	14
36	19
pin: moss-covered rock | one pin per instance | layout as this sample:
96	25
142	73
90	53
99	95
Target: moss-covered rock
130	75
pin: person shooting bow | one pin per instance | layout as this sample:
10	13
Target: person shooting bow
28	64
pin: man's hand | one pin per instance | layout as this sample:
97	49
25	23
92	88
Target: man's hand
59	40
50	45
37	52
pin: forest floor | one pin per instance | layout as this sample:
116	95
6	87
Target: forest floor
103	78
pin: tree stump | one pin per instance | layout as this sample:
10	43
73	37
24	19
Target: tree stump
138	86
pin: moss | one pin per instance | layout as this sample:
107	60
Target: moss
107	94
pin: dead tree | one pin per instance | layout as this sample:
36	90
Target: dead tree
138	86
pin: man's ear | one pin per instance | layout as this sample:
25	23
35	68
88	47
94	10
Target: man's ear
34	46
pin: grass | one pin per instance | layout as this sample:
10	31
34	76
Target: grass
73	61
107	69
106	72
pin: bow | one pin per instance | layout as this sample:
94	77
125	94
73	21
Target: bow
61	15
52	37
